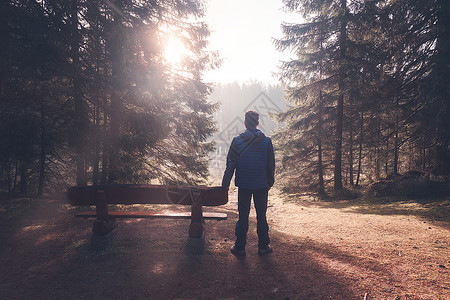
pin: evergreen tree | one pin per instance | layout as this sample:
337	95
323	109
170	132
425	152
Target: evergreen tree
416	89
382	67
333	64
87	96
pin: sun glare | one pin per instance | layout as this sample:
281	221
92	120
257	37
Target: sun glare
174	51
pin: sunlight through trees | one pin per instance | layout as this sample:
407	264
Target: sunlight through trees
90	92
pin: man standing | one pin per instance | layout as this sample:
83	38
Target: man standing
251	155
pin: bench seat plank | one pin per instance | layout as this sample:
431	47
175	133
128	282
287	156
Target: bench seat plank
152	214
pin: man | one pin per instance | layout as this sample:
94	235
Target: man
251	155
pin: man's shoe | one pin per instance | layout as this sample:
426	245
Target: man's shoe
265	250
238	252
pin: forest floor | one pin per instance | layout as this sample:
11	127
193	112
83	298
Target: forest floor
348	249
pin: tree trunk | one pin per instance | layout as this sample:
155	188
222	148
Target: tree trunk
8	175
42	162
319	150
16	167
320	125
116	51
395	167
386	166
350	163
424	157
361	131
106	142
95	172
340	103
96	159
377	150
105	168
396	144
338	150
23	178
78	99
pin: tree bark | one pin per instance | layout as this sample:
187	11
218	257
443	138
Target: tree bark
377	150
320	125
424	157
396	144
361	131
340	103
78	99
96	160
386	166
23	184
116	50
42	154
319	150
15	175
105	151
8	176
350	164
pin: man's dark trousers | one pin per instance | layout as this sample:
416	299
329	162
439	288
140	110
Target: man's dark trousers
262	228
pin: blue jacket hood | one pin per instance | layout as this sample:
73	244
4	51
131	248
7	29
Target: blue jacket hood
252	135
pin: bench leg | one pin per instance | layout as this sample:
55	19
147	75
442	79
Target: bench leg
103	225
196	227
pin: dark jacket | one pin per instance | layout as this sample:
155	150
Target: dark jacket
251	155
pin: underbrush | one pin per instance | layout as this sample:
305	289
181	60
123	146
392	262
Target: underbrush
412	187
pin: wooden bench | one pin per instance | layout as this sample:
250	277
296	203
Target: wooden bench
102	195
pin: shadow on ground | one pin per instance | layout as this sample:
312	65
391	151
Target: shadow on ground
47	253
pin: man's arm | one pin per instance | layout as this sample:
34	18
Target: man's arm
232	159
270	165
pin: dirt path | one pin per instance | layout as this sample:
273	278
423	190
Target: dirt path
338	250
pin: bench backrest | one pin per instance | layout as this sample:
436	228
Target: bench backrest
146	194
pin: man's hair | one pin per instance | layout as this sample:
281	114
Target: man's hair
251	119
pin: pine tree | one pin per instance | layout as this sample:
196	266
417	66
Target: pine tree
102	104
333	51
386	64
417	87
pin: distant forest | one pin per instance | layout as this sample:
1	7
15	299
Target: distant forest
87	96
235	99
368	92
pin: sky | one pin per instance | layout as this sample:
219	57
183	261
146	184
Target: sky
243	31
